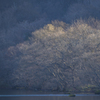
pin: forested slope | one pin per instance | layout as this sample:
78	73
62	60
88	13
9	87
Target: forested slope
50	45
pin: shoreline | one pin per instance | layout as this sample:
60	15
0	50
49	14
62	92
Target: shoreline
47	92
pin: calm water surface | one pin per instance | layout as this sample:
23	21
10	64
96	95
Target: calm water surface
29	95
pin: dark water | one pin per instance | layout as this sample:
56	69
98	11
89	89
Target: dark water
29	95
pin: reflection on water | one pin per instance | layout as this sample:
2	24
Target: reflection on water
30	95
52	98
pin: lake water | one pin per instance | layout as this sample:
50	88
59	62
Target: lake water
29	95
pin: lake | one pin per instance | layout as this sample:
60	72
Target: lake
30	95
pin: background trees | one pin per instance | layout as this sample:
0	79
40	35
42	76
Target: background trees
49	45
